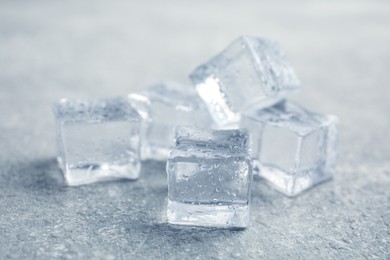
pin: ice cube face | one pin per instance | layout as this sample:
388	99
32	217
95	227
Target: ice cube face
164	106
249	71
293	149
209	178
97	140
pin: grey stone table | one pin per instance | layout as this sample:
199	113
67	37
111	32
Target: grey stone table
49	50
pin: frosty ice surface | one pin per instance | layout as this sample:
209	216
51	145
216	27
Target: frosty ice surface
164	106
97	140
293	148
249	71
209	178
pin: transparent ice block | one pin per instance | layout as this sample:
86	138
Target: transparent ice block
164	106
97	140
293	149
209	178
249	71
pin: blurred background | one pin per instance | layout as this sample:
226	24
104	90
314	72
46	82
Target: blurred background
84	49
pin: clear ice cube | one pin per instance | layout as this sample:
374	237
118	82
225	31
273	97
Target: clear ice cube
249	71
293	149
164	106
97	140
209	178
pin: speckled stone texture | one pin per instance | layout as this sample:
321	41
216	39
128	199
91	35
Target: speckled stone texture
80	49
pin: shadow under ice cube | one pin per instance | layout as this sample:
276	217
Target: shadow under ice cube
209	178
97	140
250	71
165	106
293	149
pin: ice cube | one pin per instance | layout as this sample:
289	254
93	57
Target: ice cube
249	71
97	140
293	149
164	106
209	178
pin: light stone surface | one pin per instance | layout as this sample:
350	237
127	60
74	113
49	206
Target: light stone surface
91	49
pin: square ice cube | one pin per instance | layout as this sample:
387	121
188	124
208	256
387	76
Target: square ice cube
97	140
209	178
164	106
249	71
293	149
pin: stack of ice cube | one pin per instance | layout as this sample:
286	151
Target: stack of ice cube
245	85
242	89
